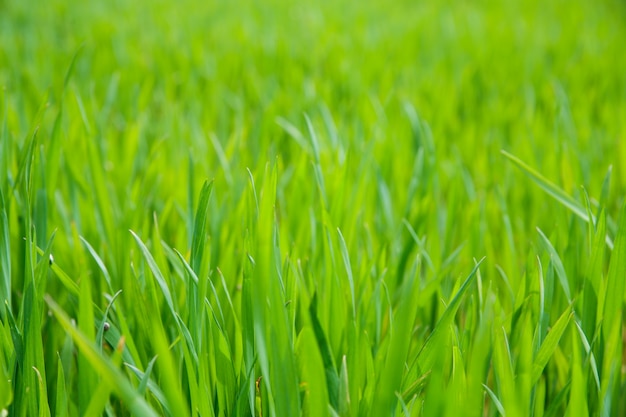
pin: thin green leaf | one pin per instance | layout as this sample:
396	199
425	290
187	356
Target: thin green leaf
102	366
550	344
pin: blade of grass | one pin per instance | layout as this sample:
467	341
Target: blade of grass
102	365
200	228
550	344
612	322
348	267
395	362
156	272
5	259
554	191
428	352
558	265
61	404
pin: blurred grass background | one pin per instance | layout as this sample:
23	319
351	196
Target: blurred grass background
538	79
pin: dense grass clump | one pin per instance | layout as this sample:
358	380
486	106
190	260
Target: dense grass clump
319	208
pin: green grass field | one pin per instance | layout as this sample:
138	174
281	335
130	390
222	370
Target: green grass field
317	208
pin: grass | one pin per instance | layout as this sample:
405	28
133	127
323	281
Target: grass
319	209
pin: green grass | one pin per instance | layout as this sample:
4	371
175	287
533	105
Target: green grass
312	208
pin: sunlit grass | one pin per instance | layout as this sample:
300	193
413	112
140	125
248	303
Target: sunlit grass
318	208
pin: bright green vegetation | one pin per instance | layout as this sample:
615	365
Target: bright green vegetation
323	208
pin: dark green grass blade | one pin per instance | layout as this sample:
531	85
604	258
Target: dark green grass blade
332	376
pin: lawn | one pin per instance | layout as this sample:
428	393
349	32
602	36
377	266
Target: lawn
317	208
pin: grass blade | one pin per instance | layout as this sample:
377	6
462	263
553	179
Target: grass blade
426	356
550	344
103	366
5	259
199	229
555	192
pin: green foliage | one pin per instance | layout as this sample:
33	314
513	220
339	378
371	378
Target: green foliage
321	208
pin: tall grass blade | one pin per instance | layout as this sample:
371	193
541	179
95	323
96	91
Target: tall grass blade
109	372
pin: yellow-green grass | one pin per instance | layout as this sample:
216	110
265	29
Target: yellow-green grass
321	208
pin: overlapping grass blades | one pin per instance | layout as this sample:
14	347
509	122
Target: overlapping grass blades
329	267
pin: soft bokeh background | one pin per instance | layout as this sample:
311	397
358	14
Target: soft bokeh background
222	80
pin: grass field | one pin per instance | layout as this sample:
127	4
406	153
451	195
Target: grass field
317	208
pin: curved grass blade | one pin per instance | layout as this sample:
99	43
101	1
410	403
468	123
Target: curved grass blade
158	275
554	191
146	382
558	265
495	400
135	403
428	353
550	344
99	262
